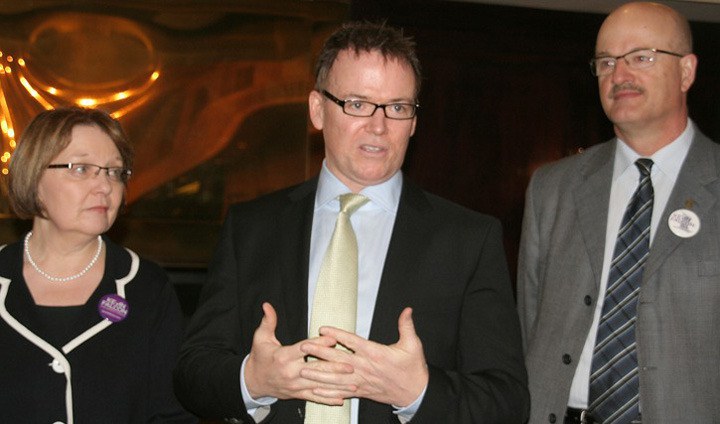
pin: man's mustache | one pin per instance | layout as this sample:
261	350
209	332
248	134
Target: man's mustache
626	86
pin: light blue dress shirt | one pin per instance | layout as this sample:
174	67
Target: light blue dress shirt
373	224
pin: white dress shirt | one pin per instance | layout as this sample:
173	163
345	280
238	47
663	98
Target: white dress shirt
666	167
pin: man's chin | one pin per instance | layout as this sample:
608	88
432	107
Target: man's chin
624	116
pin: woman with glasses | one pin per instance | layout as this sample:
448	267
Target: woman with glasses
88	330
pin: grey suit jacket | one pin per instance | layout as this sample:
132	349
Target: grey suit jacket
560	265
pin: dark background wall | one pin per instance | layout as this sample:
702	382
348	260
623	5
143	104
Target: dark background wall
507	89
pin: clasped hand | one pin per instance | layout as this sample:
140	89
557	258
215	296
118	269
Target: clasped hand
393	374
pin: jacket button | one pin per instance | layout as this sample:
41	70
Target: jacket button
552	418
57	366
588	300
566	359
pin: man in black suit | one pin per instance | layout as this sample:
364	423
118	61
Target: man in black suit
437	337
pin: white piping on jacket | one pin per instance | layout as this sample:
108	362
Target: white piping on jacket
77	341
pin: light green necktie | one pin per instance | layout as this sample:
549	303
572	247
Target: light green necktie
335	301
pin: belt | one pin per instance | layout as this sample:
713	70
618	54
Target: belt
582	416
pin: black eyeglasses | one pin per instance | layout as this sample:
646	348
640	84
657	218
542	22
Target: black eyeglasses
83	171
635	59
363	109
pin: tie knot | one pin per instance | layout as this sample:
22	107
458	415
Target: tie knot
351	202
644	165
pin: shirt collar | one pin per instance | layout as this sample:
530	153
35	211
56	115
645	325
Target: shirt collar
667	160
385	195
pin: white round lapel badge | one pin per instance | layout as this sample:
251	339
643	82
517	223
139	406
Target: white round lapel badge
684	223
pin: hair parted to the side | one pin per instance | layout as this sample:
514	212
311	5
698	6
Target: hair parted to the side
367	37
48	134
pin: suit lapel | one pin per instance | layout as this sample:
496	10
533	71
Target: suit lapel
690	192
591	198
409	230
294	254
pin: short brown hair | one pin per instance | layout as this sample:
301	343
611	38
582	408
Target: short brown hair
367	37
48	134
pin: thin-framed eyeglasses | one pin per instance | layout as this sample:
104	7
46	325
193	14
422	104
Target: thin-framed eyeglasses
635	59
363	108
83	171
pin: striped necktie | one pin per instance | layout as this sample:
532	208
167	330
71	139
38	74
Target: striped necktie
335	301
614	380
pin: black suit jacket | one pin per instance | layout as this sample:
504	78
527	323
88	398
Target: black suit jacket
444	261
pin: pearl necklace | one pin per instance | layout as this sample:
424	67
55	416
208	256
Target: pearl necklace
61	279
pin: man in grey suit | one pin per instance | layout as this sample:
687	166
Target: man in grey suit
669	342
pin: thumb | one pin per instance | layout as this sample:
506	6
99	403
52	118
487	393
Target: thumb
406	326
268	324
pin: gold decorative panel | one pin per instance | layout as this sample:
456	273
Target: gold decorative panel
212	93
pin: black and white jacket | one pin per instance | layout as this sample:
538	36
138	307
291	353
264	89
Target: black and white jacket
74	365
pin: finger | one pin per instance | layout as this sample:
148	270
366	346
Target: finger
349	340
324	365
325	400
330	384
324	341
327	354
329	380
333	393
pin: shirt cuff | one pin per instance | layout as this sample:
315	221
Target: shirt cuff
407	413
253	406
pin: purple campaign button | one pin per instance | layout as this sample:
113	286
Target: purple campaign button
113	307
